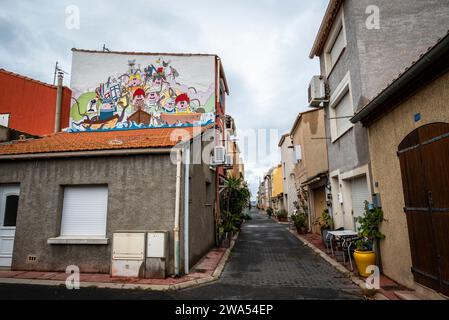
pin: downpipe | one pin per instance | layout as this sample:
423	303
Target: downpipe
177	211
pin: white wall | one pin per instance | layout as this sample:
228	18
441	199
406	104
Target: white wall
288	161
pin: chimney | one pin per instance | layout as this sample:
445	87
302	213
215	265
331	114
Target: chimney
58	102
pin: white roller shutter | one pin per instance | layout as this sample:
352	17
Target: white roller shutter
84	211
360	194
337	48
343	111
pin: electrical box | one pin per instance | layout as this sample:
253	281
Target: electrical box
157	254
128	254
129	246
156	244
340	198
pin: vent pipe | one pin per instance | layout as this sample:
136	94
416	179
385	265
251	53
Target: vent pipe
58	102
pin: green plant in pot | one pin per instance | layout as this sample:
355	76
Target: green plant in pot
270	212
365	253
282	216
299	220
324	222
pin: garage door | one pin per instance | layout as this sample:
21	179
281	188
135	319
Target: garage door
359	193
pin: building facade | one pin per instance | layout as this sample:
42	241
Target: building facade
29	105
357	60
277	189
408	129
310	169
288	162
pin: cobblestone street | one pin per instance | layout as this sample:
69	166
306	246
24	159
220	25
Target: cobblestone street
267	262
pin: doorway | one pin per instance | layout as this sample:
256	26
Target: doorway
9	202
424	161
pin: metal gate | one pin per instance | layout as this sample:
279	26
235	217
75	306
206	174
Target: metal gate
424	160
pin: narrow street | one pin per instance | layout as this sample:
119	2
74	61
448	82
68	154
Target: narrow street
267	262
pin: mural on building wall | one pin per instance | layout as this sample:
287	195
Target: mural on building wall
149	96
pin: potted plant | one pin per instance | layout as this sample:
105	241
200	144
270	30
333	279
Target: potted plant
282	216
299	220
324	222
269	212
365	252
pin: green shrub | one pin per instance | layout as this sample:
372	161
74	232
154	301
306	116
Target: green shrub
299	220
282	214
269	211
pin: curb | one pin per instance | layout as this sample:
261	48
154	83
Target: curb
155	287
356	280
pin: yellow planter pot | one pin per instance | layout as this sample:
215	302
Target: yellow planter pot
363	259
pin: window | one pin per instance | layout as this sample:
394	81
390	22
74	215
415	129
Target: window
298	153
335	44
84	211
11	205
4	119
341	109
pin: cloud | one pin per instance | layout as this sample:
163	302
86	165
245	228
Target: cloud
263	44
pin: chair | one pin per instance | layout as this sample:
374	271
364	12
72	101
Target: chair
349	248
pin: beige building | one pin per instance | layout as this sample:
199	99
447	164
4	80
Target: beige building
408	131
309	142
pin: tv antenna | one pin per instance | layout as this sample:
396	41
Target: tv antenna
57	70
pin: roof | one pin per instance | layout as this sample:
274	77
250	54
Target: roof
298	118
162	54
325	27
146	53
409	79
27	78
283	139
94	141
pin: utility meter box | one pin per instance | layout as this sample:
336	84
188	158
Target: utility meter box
128	254
156	254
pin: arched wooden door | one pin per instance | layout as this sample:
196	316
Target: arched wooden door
424	159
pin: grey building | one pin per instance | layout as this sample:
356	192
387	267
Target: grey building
64	198
362	45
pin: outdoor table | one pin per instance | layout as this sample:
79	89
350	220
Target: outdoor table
342	234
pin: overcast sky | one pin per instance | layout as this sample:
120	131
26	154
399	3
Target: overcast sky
263	44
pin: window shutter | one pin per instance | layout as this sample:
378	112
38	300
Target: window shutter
84	211
343	110
298	153
337	48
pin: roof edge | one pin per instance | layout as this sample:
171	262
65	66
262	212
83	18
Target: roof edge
145	53
324	29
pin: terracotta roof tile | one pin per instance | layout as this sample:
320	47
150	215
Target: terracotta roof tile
106	140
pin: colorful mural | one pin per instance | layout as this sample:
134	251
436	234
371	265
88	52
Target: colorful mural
143	97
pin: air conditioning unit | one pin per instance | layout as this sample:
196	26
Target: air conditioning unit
219	155
317	91
228	160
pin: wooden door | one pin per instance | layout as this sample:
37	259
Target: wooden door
424	160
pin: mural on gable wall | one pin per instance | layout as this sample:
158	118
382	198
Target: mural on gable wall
142	97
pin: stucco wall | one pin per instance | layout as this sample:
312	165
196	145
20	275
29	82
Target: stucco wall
384	138
375	57
287	157
141	196
310	134
201	211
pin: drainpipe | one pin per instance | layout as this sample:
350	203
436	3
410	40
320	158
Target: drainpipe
177	210
186	207
58	103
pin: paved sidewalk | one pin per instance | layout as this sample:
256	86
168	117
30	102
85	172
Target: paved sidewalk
205	270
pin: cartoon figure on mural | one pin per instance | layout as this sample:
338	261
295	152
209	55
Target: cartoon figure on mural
142	99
